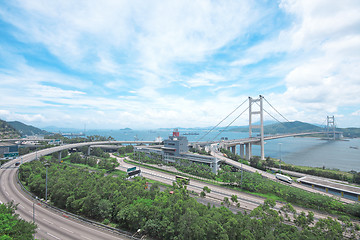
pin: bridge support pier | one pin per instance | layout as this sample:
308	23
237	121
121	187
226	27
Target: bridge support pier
233	149
248	151
242	150
60	156
88	153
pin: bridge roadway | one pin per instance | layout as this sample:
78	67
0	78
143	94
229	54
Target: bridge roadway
235	142
51	225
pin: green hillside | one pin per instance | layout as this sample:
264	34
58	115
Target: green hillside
286	127
291	127
27	130
350	132
7	131
297	126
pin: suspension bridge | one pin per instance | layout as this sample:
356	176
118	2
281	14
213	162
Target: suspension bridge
256	108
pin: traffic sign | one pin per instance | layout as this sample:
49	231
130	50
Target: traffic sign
131	169
11	154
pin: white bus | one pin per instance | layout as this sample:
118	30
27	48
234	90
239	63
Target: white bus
283	178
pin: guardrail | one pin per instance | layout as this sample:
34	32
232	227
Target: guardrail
67	214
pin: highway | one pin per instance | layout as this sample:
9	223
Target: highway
51	225
272	176
247	201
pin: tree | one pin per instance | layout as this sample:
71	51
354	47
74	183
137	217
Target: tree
206	189
286	209
304	221
105	208
11	226
226	202
254	161
75	158
234	198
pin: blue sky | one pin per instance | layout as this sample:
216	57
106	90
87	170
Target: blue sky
148	64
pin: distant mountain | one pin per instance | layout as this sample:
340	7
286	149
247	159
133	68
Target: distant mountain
285	127
7	131
27	130
126	129
351	132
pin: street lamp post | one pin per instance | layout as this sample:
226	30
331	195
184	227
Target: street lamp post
34	212
46	166
241	175
280	155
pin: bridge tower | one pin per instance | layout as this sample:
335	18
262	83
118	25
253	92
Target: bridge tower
330	127
251	126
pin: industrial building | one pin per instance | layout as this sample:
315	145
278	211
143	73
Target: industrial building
8	150
176	148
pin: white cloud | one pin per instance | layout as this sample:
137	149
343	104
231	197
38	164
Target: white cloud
205	79
11	116
148	48
356	113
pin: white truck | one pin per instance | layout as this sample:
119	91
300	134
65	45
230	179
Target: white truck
283	178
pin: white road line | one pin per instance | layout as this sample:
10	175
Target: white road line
22	206
47	221
7	193
67	230
85	237
53	236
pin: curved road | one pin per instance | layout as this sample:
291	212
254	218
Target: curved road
51	225
247	201
272	176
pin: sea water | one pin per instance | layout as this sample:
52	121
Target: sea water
303	151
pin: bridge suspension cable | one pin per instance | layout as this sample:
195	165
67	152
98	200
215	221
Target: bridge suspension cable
230	124
222	121
276	110
272	116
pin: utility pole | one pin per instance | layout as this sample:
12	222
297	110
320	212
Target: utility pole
46	166
241	175
280	156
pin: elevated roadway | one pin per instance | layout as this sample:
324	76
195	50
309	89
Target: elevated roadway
51	225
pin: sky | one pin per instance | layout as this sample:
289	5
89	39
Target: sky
113	64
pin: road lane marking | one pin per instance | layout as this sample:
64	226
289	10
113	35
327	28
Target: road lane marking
85	237
47	221
52	235
7	193
22	206
67	230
